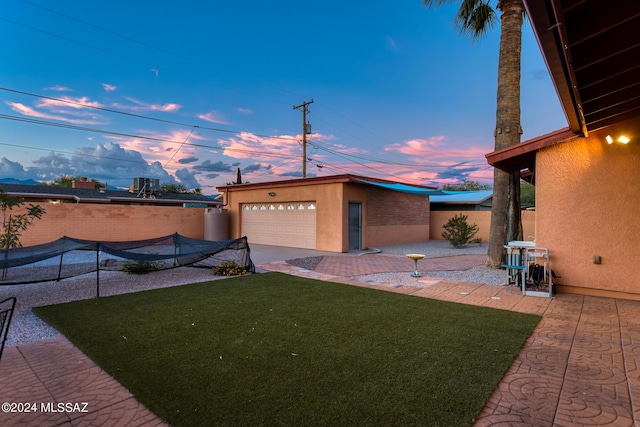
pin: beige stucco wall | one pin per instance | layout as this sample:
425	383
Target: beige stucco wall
330	212
389	217
588	199
482	219
112	222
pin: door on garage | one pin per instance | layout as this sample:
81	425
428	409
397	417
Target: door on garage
355	226
291	224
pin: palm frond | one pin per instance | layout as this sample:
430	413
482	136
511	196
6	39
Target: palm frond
434	4
475	18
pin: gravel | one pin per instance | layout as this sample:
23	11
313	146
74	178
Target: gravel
26	327
431	249
436	249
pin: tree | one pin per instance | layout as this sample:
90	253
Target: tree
466	185
14	225
176	188
172	187
238	179
527	194
458	231
67	181
475	18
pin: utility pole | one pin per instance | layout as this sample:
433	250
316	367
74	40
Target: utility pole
305	110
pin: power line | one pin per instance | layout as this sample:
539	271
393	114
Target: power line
110	110
143	137
178	55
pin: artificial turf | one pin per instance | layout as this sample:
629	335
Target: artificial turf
274	349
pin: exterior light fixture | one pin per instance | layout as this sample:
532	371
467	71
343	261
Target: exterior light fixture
622	139
271	193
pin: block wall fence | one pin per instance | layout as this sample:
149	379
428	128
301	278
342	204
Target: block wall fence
482	219
112	222
123	222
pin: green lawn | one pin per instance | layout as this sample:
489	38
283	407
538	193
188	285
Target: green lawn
273	349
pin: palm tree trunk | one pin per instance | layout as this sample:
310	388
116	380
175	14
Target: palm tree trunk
505	215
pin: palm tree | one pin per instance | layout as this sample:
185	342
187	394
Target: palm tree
475	18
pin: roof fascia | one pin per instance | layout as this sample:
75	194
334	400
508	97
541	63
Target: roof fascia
333	179
499	157
548	31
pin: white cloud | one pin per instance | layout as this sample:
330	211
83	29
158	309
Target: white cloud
244	110
59	88
108	88
213	117
9	169
187	178
391	43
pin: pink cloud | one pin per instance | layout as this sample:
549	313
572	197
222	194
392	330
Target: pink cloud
31	112
142	106
108	88
213	117
78	103
436	148
163	145
249	146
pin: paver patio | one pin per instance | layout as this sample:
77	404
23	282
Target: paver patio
579	367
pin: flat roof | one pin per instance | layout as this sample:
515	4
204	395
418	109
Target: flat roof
331	179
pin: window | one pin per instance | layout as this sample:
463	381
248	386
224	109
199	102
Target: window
290	207
245	208
280	207
254	208
311	207
272	208
263	208
300	207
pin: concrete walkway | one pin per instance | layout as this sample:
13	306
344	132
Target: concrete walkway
580	366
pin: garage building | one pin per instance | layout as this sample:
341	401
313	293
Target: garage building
336	213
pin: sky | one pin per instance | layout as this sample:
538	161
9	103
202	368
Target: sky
190	91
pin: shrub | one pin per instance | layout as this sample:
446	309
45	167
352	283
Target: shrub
458	232
139	266
229	268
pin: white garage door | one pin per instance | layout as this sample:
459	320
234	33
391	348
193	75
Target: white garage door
290	224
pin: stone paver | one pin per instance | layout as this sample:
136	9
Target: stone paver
41	376
581	365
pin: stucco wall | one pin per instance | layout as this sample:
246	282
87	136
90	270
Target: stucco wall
482	219
329	209
588	199
389	217
112	222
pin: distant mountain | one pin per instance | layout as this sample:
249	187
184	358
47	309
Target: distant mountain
18	181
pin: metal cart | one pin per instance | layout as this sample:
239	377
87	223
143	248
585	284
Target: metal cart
528	268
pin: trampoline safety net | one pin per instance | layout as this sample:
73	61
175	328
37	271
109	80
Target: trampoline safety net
68	257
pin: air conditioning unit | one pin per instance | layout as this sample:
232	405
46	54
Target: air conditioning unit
147	185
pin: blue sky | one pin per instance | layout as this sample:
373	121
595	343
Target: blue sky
189	91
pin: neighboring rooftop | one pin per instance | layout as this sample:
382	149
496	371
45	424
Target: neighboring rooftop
85	195
462	200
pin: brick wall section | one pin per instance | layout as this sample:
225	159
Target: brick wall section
112	222
386	207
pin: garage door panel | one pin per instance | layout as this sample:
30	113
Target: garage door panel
283	225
